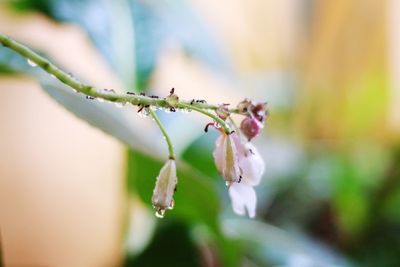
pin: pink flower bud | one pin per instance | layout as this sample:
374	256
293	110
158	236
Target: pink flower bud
250	127
244	106
259	111
226	157
165	187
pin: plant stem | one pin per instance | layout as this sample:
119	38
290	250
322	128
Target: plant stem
110	95
164	132
214	117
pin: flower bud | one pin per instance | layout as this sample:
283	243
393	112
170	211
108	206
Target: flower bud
244	106
259	111
172	99
165	187
250	127
226	158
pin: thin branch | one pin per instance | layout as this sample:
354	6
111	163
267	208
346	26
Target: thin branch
110	95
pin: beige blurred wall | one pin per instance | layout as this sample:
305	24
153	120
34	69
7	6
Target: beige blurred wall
61	180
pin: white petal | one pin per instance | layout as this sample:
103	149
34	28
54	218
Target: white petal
165	186
218	153
243	198
226	158
252	165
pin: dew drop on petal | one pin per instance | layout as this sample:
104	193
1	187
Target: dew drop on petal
160	213
119	104
31	63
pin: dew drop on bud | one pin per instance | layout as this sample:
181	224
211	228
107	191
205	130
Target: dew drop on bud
31	63
172	205
160	213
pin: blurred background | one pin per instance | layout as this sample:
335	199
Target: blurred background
72	195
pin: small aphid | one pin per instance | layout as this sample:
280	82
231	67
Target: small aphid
147	106
89	97
140	109
172	91
172	109
200	101
153	96
130	93
142	94
191	102
240	179
176	188
231	132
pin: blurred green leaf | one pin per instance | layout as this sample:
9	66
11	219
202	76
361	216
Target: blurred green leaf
118	122
172	246
350	199
199	154
44	6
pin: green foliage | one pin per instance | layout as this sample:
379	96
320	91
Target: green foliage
172	246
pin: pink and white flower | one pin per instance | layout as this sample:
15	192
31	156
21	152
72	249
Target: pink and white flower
242	168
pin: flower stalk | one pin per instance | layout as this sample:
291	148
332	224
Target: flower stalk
164	132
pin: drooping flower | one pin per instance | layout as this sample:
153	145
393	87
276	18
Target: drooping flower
165	187
245	169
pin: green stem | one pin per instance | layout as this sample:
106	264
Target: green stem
221	122
164	132
138	100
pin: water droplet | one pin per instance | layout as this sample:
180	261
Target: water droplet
160	213
119	104
172	205
228	183
31	63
